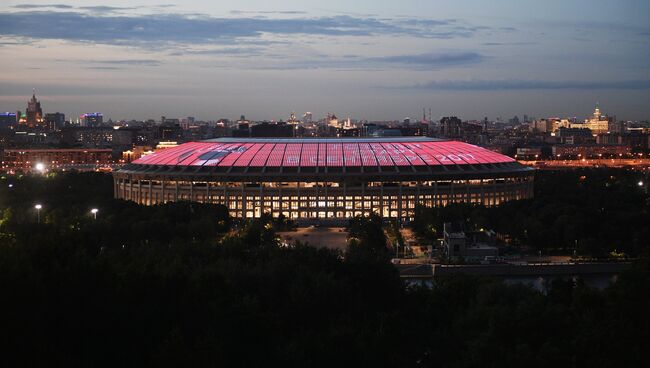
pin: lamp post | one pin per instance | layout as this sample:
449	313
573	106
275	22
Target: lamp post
94	212
38	207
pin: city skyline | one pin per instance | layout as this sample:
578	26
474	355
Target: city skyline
146	60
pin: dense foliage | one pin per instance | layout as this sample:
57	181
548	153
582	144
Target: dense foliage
595	211
176	285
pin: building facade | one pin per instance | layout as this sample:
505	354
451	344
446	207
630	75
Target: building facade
55	158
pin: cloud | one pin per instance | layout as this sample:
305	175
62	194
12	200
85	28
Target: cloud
106	9
103	68
37	6
147	62
509	43
430	60
227	51
515	84
114	63
143	30
285	12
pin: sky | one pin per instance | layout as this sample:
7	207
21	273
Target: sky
367	59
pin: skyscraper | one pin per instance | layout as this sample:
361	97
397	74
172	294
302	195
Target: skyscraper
34	112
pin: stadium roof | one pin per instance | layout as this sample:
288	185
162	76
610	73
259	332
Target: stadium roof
294	153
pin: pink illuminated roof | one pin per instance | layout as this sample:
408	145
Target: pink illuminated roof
349	152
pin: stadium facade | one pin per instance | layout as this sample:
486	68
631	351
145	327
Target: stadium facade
328	179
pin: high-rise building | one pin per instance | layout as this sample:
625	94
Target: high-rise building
450	126
34	112
54	121
92	119
7	120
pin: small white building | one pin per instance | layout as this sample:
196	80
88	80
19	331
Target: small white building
458	245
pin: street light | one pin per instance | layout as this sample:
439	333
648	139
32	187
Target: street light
38	207
94	212
40	167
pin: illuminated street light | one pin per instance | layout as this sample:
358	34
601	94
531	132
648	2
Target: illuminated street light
38	207
94	212
40	167
640	183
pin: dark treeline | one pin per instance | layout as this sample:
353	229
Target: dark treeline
178	285
594	211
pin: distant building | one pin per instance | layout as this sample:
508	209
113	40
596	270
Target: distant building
333	121
88	136
476	245
54	121
34	113
385	132
415	130
267	129
450	126
168	121
26	159
169	132
575	135
187	122
590	150
243	130
293	120
540	126
598	123
348	132
529	152
92	119
8	120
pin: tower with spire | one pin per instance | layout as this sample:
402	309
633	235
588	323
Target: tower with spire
34	113
597	113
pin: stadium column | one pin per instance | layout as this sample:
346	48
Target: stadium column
116	188
131	188
150	193
176	191
140	201
191	191
436	197
327	204
381	201
451	196
345	199
243	200
162	185
207	193
483	192
399	204
299	200
363	198
261	200
225	198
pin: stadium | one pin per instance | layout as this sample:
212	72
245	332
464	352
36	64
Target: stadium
324	179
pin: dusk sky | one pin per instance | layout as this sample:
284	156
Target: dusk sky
376	60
